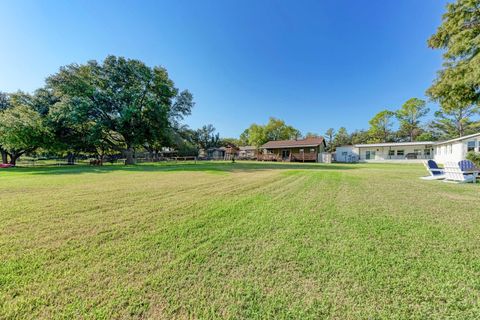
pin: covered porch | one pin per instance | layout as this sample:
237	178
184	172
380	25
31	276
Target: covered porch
290	155
392	152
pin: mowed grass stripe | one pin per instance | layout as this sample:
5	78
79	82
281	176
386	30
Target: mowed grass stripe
89	240
149	201
412	255
248	248
247	241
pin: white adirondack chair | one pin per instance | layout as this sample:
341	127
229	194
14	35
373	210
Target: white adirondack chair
453	173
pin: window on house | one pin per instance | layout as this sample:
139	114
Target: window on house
391	152
344	153
471	146
301	150
427	152
400	152
418	152
312	150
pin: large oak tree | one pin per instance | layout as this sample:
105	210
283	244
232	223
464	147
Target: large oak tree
121	103
276	129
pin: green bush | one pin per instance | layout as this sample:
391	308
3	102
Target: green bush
474	157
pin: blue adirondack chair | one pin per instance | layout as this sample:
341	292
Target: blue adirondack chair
435	172
467	165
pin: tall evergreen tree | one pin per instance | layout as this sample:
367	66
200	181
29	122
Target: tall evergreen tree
330	134
341	138
457	87
409	117
381	126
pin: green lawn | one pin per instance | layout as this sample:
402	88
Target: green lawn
244	240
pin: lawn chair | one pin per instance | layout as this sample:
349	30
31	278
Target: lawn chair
467	165
454	173
435	172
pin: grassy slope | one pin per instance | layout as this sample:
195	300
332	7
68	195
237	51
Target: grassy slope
250	240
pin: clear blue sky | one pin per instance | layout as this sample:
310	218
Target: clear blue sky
316	64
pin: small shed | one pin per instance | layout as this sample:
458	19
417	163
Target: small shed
247	153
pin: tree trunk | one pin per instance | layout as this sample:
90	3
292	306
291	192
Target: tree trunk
4	156
129	156
70	158
14	157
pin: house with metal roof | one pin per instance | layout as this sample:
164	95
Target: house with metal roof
395	151
456	149
301	150
440	151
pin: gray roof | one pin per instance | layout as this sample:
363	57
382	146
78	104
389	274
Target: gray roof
460	139
395	144
416	143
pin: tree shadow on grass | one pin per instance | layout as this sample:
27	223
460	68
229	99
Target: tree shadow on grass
199	166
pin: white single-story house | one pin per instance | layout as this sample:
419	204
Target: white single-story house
385	151
456	149
440	151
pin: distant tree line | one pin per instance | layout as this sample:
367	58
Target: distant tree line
121	106
405	124
100	108
456	90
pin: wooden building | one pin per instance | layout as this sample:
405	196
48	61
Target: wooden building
247	153
231	152
304	150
